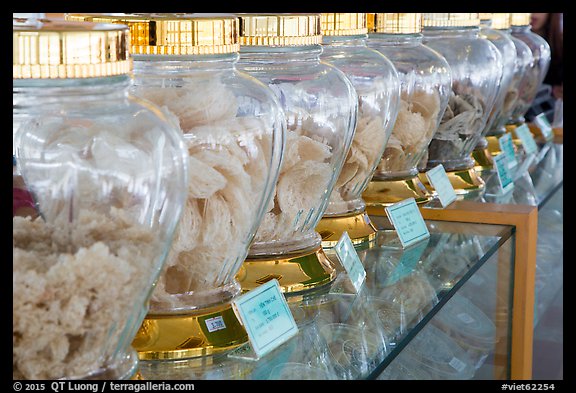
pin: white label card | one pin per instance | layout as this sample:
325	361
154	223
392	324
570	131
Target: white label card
439	179
504	177
544	125
507	147
530	146
266	317
407	221
350	260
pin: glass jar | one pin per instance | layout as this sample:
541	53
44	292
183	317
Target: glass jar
533	76
320	104
108	173
234	132
496	29
476	66
522	64
376	82
425	84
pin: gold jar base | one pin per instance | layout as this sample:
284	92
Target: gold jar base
493	145
357	225
383	193
483	159
295	273
464	182
173	337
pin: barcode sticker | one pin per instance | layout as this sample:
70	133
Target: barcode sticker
457	364
214	324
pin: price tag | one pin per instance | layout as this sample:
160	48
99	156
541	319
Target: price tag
507	147
349	258
407	221
504	178
543	124
439	180
457	364
527	139
266	317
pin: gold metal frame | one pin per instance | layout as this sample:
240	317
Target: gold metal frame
295	273
357	225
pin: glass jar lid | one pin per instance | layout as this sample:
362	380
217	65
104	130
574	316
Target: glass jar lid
501	20
449	19
520	19
395	23
341	24
175	34
498	21
485	16
280	29
59	49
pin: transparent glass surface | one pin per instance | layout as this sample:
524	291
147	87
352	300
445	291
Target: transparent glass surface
537	177
535	74
345	334
425	83
476	68
107	172
233	128
520	88
376	82
541	185
320	107
502	39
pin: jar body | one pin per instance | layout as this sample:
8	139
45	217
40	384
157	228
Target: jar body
376	83
518	87
234	134
476	67
107	171
504	98
425	80
320	107
534	75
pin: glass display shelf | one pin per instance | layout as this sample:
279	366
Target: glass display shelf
344	334
541	185
537	180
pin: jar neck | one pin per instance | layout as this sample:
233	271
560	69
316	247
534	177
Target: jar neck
385	39
183	65
520	29
64	91
271	55
345	40
456	31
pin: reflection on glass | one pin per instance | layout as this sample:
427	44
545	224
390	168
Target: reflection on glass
469	327
437	354
354	351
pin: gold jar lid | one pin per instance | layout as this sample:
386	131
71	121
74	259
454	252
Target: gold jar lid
520	19
448	19
174	34
342	24
395	23
280	29
59	49
501	20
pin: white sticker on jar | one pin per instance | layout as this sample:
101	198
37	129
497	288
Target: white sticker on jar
457	364
465	318
214	324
